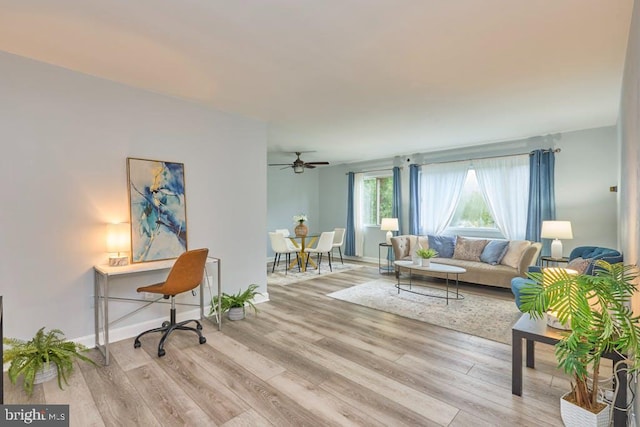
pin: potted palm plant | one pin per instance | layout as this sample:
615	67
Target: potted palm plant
234	304
425	255
597	310
42	358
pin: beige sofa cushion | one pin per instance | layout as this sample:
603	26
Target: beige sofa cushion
514	253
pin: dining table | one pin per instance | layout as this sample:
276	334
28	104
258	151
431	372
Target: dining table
302	242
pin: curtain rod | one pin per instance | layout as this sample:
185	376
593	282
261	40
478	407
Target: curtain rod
374	170
548	150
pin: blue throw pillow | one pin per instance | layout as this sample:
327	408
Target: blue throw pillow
494	251
444	245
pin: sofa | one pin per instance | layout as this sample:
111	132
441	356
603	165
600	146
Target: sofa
581	259
491	262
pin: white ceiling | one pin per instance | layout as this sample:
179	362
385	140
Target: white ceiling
351	79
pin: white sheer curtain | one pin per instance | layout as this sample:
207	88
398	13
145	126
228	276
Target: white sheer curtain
504	182
357	210
440	191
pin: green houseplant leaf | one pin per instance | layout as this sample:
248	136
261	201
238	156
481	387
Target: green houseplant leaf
239	299
597	308
28	357
426	253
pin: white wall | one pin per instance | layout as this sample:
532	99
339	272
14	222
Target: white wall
65	139
585	169
291	194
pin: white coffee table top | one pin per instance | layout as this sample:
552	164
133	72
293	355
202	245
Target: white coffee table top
436	268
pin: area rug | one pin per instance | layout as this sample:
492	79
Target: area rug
483	316
293	276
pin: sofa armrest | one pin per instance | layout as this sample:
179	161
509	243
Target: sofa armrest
529	257
401	247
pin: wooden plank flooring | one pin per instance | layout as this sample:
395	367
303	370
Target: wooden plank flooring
310	360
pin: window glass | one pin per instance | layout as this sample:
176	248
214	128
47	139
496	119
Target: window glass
472	210
377	199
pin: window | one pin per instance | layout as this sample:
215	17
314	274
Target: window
377	198
472	211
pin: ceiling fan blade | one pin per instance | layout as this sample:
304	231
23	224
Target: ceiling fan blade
317	163
308	166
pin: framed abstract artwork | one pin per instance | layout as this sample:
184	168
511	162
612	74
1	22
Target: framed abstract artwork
157	209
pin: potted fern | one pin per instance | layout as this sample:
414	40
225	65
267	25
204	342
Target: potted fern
425	255
597	310
42	358
234	304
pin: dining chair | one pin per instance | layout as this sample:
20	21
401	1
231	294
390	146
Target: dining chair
338	241
279	246
325	244
185	275
285	233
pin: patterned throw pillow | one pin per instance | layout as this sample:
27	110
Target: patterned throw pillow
514	253
469	249
579	264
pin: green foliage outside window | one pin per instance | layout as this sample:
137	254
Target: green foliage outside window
472	210
377	199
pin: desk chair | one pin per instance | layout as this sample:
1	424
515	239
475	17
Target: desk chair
185	275
325	244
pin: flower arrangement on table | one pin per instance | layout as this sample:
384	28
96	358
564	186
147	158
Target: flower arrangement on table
300	218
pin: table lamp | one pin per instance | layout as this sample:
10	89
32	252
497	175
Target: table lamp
389	225
556	230
118	243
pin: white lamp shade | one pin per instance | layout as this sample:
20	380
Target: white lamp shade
389	224
556	230
118	237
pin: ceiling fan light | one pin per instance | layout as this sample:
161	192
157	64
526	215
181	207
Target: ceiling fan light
298	169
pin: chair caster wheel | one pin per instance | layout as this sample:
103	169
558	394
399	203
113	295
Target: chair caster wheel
137	344
161	352
199	327
203	340
165	324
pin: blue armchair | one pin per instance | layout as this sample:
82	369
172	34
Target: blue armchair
592	253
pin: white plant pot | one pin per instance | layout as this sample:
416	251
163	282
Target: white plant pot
425	262
575	416
45	374
235	313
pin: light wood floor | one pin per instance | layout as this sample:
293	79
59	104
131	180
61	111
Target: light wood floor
307	359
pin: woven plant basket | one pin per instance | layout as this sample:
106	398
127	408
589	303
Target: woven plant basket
235	313
45	374
575	416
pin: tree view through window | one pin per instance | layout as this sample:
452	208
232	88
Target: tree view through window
377	199
472	210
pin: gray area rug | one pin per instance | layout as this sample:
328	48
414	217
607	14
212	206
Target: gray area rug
483	316
279	278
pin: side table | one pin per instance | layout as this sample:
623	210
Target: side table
388	269
548	261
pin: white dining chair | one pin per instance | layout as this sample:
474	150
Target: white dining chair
285	233
338	241
325	244
279	246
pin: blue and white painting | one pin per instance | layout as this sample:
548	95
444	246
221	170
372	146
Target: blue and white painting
158	209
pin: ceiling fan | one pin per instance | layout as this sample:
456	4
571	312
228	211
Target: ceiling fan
299	165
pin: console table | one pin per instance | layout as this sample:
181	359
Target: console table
102	273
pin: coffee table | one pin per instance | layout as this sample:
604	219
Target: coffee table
433	268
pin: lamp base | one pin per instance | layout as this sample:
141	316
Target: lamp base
118	261
389	236
556	249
